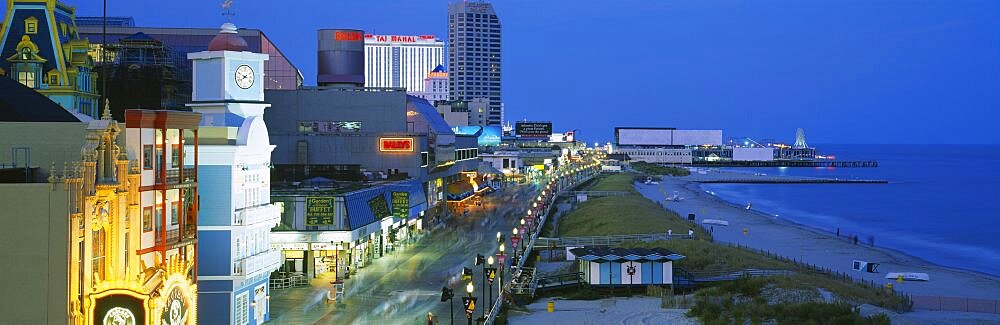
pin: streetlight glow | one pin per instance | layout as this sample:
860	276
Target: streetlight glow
501	248
489	260
514	231
469	287
522	221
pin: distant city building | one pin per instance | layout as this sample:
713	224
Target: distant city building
41	49
99	21
173	88
435	86
401	61
455	113
474	56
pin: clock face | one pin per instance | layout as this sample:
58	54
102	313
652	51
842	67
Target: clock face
244	76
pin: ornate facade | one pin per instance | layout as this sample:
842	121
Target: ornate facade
132	238
40	48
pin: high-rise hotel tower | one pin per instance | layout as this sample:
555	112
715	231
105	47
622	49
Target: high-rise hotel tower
474	55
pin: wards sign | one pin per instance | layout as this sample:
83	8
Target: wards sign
540	130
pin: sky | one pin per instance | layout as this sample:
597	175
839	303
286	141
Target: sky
846	71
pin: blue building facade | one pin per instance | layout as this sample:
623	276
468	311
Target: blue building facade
626	266
235	211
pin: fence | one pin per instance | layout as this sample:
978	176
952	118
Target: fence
610	240
938	303
905	304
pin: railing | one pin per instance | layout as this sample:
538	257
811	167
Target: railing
174	235
265	261
173	176
257	214
719	275
597	193
559	280
498	305
938	303
610	240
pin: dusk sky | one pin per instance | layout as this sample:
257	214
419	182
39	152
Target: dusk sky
845	71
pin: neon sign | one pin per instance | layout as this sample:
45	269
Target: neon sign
395	144
347	36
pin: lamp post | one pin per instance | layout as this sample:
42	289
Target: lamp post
468	289
502	266
514	241
489	261
481	260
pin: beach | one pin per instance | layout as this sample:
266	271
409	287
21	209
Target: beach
818	247
604	311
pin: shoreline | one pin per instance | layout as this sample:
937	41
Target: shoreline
816	246
698	186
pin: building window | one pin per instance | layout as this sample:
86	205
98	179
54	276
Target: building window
53	80
147	219
147	157
175	155
26	78
31	25
242	305
97	254
175	210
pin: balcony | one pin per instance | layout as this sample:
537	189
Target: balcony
174	176
268	213
267	261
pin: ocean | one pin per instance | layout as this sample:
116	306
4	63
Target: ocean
942	202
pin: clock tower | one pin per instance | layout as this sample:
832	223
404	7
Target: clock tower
235	210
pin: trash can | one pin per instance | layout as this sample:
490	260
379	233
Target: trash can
551	306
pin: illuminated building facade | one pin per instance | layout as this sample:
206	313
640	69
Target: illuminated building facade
111	235
40	48
236	212
401	61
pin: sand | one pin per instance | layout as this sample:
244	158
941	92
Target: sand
813	246
603	311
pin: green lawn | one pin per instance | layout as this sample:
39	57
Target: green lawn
654	169
620	215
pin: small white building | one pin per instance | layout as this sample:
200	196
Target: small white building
626	266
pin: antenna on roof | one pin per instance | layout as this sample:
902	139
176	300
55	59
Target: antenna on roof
227	10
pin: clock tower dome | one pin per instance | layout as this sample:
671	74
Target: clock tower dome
235	211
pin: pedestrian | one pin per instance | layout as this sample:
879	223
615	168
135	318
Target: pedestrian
670	232
691	232
838	231
711	229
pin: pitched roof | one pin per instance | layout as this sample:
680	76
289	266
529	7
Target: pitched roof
18	103
629	254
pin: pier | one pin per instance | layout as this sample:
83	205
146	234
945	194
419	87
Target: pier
783	180
789	163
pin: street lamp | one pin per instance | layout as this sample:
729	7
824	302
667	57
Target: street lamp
489	261
468	288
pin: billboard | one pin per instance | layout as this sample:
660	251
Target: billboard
401	204
540	130
319	211
490	135
379	207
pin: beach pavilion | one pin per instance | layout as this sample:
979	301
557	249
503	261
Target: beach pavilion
626	266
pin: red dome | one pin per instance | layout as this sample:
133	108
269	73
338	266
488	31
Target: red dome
228	40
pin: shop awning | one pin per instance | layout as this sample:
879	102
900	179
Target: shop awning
459	190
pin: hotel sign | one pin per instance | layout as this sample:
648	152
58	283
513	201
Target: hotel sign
400	38
319	211
401	204
348	36
395	144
